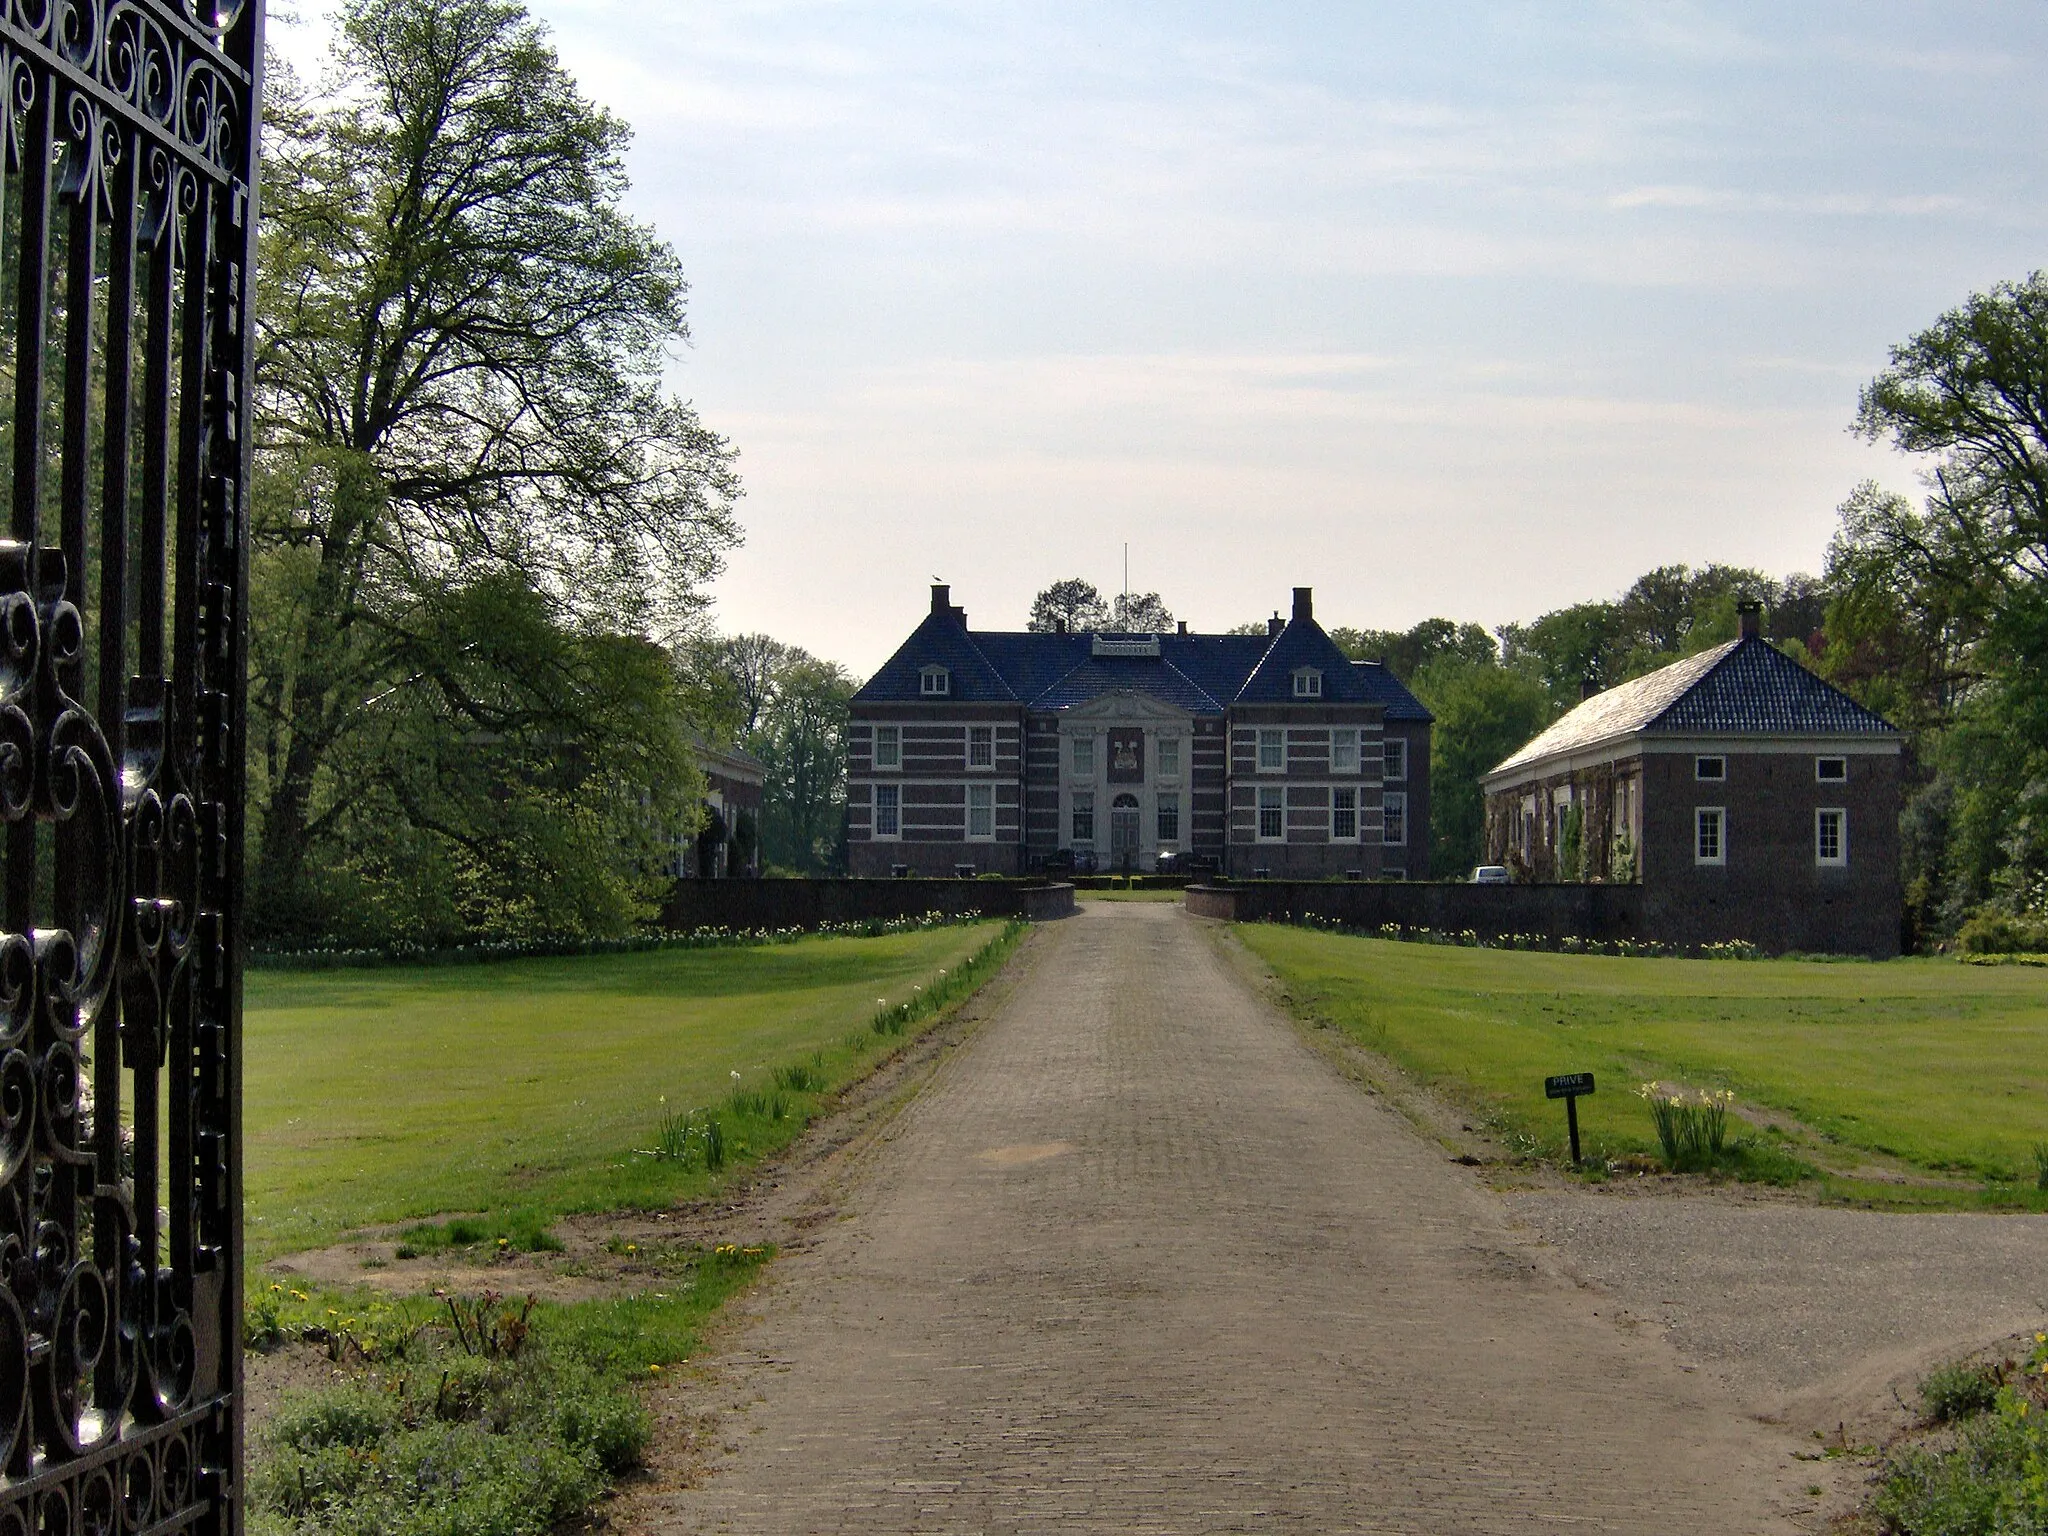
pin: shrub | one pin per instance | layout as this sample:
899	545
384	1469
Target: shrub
1993	1481
1991	931
1956	1391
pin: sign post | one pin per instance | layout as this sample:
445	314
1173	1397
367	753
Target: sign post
1568	1086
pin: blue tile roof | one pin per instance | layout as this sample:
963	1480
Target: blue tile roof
1392	692
1203	674
1746	687
1758	688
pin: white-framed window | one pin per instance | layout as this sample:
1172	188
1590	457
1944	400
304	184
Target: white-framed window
1344	815
888	746
1272	814
1831	770
1395	754
888	818
1084	818
1709	835
1831	837
1710	770
981	811
1169	757
1344	750
981	746
1272	751
1169	817
1394	820
934	682
1084	757
1308	683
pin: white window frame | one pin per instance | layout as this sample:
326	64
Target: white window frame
934	683
1821	776
1083	748
888	798
1343	807
1394	759
1273	736
1396	803
981	736
1165	802
981	800
1720	773
1841	858
1308	683
1167	755
891	760
1083	803
1719	813
1346	750
1271	797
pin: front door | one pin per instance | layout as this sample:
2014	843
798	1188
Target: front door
1123	830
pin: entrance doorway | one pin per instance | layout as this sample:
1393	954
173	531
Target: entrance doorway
1123	830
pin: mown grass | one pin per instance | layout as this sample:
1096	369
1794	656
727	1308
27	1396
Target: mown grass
512	1093
1940	1066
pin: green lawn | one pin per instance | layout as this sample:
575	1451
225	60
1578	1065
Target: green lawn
388	1095
1940	1065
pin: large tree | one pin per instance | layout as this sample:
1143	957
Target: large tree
1072	604
1941	610
801	741
459	353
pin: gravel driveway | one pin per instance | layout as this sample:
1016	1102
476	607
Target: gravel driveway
1139	1260
1814	1317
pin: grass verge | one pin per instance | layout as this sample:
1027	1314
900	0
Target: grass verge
482	1102
1917	1084
475	1415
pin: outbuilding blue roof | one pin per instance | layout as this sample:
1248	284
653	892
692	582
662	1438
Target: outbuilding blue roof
1747	687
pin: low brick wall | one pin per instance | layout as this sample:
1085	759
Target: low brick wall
813	903
1601	912
1597	913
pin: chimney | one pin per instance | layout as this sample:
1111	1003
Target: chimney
1304	604
1183	631
1274	626
1059	626
1587	688
942	597
1749	613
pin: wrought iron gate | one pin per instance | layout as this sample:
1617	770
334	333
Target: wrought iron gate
127	220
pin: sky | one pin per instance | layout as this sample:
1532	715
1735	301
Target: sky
1473	310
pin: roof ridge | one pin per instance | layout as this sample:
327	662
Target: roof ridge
1205	693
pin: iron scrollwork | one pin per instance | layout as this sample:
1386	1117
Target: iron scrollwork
127	177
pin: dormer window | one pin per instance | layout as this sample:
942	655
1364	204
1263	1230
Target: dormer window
934	683
1308	683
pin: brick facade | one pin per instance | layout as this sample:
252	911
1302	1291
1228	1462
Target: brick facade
1127	751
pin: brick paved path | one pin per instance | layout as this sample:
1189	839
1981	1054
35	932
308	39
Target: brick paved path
1138	1260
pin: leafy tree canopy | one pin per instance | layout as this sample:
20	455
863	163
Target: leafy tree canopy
459	414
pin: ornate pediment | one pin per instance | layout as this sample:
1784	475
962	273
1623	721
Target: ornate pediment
1127	706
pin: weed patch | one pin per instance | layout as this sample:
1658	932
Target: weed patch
499	1417
1989	1477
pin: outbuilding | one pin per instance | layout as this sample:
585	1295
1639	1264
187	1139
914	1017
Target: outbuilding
1750	798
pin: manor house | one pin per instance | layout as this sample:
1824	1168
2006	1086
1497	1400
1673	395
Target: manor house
980	751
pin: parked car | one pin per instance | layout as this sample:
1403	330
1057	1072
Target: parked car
1492	874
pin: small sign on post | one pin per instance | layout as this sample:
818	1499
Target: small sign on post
1568	1086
